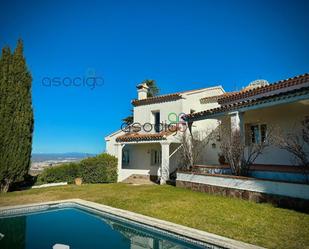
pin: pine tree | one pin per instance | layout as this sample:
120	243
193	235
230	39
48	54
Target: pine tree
16	115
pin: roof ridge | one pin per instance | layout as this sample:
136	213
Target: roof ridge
218	96
176	94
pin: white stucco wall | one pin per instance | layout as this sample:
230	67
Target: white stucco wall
204	127
286	118
110	141
175	161
190	101
144	114
140	153
140	157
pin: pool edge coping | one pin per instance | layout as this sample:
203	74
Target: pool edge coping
181	230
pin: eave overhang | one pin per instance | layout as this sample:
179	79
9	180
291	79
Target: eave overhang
251	104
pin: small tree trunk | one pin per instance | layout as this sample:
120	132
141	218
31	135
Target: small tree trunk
5	185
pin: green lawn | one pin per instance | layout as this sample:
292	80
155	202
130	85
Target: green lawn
259	224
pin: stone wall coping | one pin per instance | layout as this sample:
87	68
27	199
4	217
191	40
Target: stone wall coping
261	167
224	166
236	177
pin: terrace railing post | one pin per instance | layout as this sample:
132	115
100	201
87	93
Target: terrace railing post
165	162
119	156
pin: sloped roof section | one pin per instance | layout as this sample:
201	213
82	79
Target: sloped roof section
170	97
138	137
157	99
215	98
284	89
247	103
274	88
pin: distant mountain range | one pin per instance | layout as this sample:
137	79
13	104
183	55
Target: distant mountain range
41	157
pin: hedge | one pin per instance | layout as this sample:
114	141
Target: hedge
98	169
60	173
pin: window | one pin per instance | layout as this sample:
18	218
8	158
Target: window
156	116
155	157
263	132
125	157
258	133
255	134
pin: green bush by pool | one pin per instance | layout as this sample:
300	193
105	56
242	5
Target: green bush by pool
98	169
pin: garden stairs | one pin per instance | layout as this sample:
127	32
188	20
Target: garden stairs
139	179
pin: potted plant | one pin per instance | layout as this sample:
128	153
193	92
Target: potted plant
78	181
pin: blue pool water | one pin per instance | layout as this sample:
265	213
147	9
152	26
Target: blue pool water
82	230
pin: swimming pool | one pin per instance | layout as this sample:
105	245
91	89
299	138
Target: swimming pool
79	227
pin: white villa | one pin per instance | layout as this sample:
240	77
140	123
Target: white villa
150	151
148	148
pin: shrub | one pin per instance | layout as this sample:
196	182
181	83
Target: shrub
99	169
60	173
27	182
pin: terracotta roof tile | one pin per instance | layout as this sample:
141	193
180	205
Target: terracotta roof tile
157	99
166	97
247	103
215	98
136	137
283	85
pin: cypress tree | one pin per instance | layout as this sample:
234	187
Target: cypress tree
5	109
16	116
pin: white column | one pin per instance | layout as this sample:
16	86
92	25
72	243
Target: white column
237	122
165	162
119	156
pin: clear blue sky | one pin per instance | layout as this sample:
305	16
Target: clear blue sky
181	44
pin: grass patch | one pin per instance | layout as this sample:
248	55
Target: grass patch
260	224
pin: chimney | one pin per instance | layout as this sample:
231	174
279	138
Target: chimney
142	90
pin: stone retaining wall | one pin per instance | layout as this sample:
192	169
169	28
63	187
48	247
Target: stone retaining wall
259	197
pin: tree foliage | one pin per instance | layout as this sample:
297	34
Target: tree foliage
129	119
16	116
193	146
238	154
296	142
153	88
